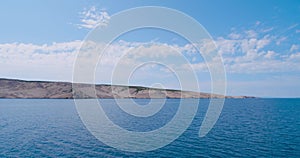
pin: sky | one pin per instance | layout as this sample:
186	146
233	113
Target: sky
258	41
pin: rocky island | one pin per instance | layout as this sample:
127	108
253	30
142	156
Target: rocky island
12	88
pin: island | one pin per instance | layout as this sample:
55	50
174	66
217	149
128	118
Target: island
13	88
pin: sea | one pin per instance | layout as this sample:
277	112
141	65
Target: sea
254	127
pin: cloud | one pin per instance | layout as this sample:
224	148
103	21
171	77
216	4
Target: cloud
91	18
251	33
245	44
270	54
292	26
257	23
254	51
294	47
280	40
234	35
267	29
31	61
295	57
242	53
55	61
245	55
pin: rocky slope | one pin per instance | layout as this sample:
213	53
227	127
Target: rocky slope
10	88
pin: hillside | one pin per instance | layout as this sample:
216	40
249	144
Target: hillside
11	88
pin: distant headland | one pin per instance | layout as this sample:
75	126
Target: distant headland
13	88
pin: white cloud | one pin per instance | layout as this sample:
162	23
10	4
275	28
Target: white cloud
297	31
263	66
295	57
294	47
245	45
270	54
55	61
227	46
244	55
91	18
280	40
254	52
267	30
234	36
261	43
251	33
292	26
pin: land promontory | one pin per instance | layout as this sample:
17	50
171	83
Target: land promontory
12	88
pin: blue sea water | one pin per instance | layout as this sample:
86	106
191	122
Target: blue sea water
246	128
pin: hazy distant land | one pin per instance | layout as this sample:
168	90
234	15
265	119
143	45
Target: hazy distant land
11	88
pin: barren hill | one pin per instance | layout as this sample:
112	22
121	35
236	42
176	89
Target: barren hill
11	88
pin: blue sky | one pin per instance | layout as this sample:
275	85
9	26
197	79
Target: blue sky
259	40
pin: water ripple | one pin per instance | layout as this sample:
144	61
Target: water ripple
246	128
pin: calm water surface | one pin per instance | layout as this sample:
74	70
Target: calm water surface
246	128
